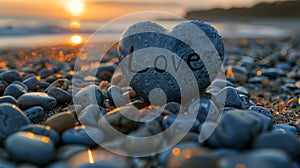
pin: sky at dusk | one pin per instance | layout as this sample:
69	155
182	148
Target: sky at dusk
108	9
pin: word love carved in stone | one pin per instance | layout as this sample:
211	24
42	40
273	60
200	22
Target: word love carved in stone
166	65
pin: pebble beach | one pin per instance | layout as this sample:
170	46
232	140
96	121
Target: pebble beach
42	125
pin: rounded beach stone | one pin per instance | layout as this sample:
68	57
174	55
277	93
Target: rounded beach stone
228	97
11	120
172	107
266	158
261	110
31	148
14	90
59	83
42	130
245	102
285	128
36	99
118	121
181	41
61	121
180	126
21	84
277	140
163	157
45	72
88	95
205	160
8	99
60	95
90	115
10	76
60	164
237	129
82	135
115	95
101	158
7	164
3	85
204	107
33	83
67	151
150	145
35	114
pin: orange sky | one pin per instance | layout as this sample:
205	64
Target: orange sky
107	9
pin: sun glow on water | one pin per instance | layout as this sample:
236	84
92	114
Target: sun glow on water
76	39
75	25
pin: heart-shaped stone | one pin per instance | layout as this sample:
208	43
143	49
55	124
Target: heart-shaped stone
164	66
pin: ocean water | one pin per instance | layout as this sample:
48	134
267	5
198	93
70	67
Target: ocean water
18	32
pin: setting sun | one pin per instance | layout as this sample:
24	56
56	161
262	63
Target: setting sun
76	39
75	6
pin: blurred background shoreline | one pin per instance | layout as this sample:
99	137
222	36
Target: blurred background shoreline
252	19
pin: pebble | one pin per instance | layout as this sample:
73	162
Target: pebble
221	83
239	73
228	97
14	90
10	76
146	147
3	85
31	148
136	38
61	121
247	62
173	107
205	160
242	90
59	83
60	95
90	115
83	135
21	84
257	79
101	158
27	165
42	130
11	120
105	72
67	151
45	72
35	114
271	73
180	157
88	95
120	121
262	110
266	158
60	164
8	99
7	164
115	95
28	100
33	83
164	157
205	109
180	126
285	128
236	129
245	102
277	140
